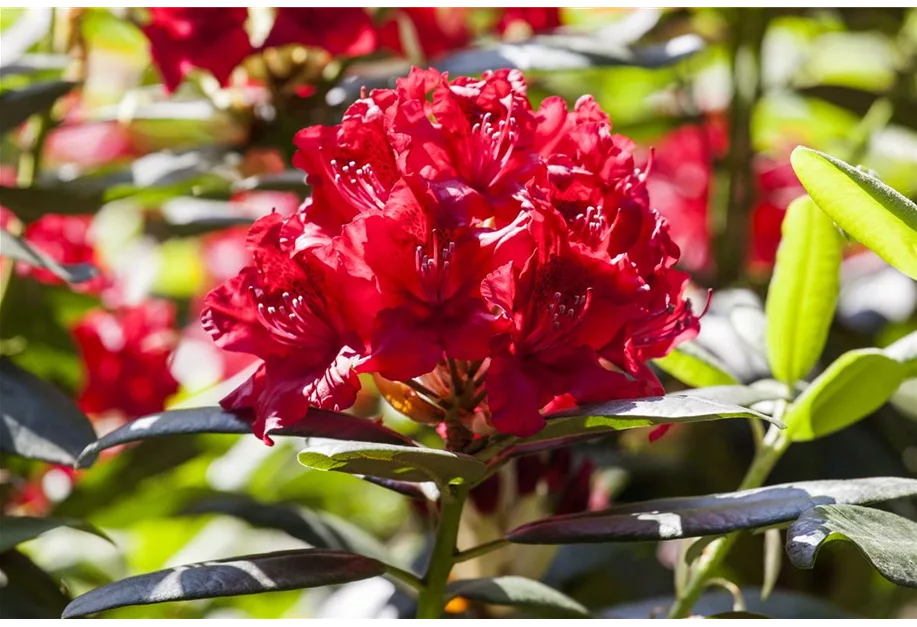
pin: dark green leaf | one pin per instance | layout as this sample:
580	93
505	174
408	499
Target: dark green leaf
734	615
318	423
17	529
516	591
18	249
18	104
854	386
28	591
39	421
803	291
320	529
865	207
250	574
887	541
695	366
31	203
686	517
404	463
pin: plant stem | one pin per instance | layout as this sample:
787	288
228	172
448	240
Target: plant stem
772	448
442	559
748	27
481	549
404	576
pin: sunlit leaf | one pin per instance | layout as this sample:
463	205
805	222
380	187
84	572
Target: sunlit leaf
403	463
866	208
686	517
887	541
851	388
38	420
904	351
250	574
803	291
693	365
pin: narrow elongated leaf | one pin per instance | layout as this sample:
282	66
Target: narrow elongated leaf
693	365
865	207
18	249
404	463
773	560
803	290
905	352
320	529
687	517
38	420
250	574
31	203
516	591
643	412
18	104
17	529
888	541
854	386
27	590
318	423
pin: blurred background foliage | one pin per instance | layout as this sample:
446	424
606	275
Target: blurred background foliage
722	95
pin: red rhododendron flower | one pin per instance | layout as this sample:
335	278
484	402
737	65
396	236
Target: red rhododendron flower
340	31
438	30
458	238
66	240
777	187
536	18
126	355
212	39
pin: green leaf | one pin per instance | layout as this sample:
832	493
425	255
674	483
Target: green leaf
319	529
250	574
18	529
803	291
318	423
773	560
887	541
688	517
856	384
404	463
516	591
31	203
695	366
27	590
904	351
38	421
735	615
18	104
870	211
744	395
17	248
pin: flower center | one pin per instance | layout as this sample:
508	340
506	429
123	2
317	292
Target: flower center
291	322
590	227
434	268
493	148
359	185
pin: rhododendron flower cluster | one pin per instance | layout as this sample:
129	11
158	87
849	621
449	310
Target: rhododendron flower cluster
503	260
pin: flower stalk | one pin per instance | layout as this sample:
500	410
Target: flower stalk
431	600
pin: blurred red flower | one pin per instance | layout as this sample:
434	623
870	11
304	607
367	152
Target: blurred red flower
341	31
126	355
538	19
66	240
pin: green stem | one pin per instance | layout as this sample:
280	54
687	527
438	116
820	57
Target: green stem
431	600
404	576
748	26
774	445
481	549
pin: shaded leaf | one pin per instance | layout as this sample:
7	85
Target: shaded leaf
31	203
869	210
17	248
735	614
319	423
693	365
28	591
18	104
516	591
320	529
856	384
887	541
404	463
18	529
803	291
904	351
38	420
250	574
686	517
